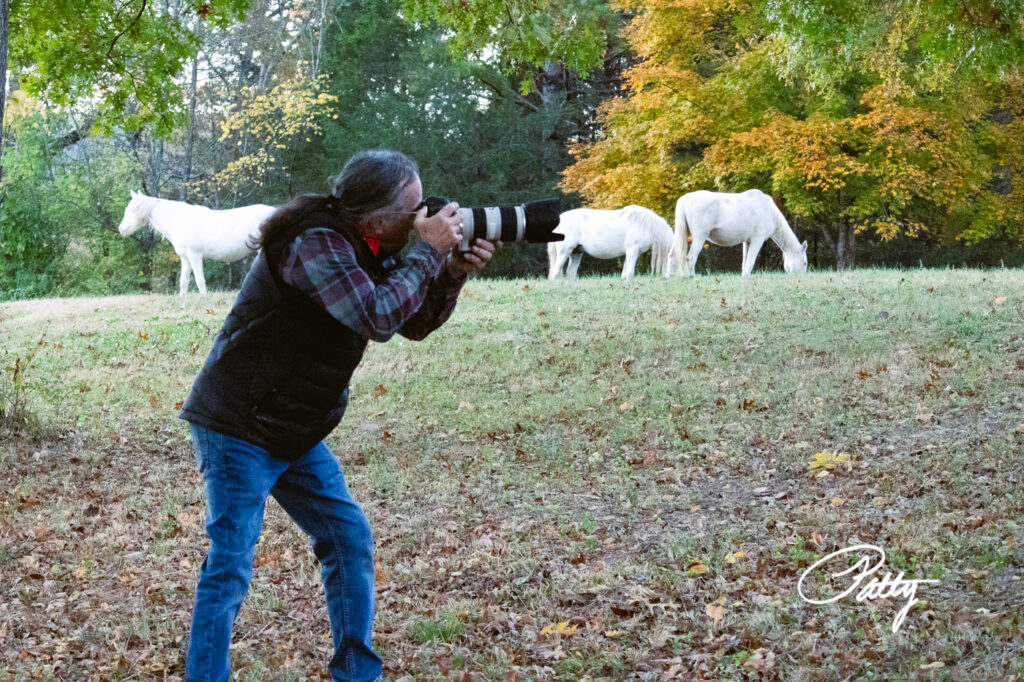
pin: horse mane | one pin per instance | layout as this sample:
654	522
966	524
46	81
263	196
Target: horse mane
144	208
786	235
147	202
658	229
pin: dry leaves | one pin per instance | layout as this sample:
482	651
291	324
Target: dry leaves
716	609
821	463
560	628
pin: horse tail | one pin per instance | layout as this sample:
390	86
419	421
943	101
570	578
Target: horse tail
661	243
679	245
655	231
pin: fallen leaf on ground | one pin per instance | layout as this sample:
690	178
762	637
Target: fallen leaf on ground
760	659
562	628
822	462
716	610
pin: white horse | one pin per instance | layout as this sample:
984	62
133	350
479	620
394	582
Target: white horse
197	232
749	218
627	231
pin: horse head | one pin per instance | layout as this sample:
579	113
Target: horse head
136	214
795	260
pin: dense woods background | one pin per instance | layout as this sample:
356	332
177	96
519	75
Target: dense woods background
889	133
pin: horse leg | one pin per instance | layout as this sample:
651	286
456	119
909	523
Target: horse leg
632	253
186	272
746	245
750	255
557	255
574	264
197	267
691	256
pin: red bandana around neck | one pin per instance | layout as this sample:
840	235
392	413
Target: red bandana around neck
373	243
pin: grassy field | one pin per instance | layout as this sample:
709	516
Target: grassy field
599	479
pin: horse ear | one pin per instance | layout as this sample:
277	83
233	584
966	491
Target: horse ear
805	246
133	193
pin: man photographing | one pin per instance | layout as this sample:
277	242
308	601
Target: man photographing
276	384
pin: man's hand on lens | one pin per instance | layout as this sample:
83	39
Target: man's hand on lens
463	263
443	230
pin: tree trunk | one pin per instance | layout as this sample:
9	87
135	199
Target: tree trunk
842	244
192	116
846	256
830	242
840	248
248	77
147	240
5	9
156	162
552	95
320	38
266	72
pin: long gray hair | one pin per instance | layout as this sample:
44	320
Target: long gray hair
369	181
372	180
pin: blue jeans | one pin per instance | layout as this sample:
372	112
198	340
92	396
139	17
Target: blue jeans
238	477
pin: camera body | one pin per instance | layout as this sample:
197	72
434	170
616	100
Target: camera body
531	222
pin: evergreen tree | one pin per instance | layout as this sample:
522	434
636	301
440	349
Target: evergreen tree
476	139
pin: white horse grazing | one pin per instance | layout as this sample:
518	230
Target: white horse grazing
628	231
749	218
197	232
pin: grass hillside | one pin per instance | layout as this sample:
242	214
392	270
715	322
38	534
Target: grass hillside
593	479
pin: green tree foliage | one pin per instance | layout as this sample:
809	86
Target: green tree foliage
999	212
407	92
573	33
463	114
122	53
58	222
118	59
541	44
860	119
927	45
262	131
464	123
30	242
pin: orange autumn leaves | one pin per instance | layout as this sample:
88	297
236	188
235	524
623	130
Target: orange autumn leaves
872	169
715	103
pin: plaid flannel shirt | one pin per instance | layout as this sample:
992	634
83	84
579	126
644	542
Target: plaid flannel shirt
417	297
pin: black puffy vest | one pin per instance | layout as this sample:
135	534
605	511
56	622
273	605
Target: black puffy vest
278	373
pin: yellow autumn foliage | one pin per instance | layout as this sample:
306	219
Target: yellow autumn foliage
265	122
821	463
